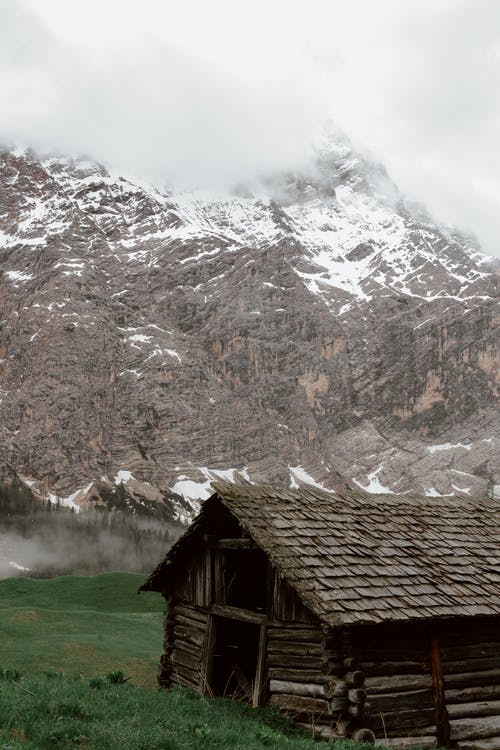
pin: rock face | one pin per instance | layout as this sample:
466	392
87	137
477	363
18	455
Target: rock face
315	328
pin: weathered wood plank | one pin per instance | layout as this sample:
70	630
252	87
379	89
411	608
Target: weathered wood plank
475	728
397	683
207	589
297	675
188	622
235	613
235	544
180	644
422	743
471	694
219	577
259	686
305	689
295	647
480	708
471	679
293	632
191	612
372	669
189	635
178	679
294	661
300	705
411	699
468	665
207	659
187	673
179	656
488	743
399	720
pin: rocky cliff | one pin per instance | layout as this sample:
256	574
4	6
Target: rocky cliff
309	328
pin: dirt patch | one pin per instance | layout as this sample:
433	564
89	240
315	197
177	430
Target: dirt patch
27	615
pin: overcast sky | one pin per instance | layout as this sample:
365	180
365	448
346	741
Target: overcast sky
218	91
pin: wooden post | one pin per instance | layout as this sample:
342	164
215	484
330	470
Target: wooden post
442	722
270	582
219	578
208	654
208	588
260	669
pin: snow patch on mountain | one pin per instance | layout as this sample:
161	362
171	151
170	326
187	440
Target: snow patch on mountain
300	477
448	447
123	476
19	276
374	485
73	500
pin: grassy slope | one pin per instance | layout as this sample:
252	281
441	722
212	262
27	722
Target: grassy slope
61	712
89	625
94	625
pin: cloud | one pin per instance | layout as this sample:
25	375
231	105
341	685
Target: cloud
153	106
219	92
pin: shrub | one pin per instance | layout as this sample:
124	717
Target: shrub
116	677
96	682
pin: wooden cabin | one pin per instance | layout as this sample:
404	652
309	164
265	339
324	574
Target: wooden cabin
367	616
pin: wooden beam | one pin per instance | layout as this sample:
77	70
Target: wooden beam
207	594
235	544
208	657
260	670
235	613
442	721
219	578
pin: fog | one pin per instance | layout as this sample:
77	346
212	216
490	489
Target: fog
217	93
42	540
67	551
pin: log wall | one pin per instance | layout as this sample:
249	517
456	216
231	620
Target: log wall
294	659
184	646
310	679
432	683
299	680
340	683
396	660
470	658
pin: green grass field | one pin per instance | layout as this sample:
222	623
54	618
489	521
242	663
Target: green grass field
62	644
89	625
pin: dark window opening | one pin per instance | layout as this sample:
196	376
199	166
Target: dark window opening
246	579
235	659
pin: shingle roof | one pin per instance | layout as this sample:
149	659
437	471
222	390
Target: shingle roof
355	558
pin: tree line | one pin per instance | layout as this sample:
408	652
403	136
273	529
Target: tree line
51	539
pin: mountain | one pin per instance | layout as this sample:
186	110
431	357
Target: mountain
312	327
